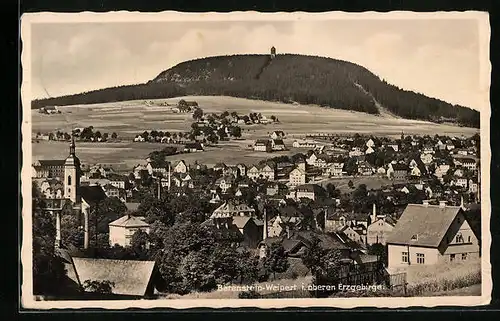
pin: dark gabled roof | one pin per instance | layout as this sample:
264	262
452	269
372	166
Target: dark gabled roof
92	194
428	223
262	142
400	167
51	162
326	241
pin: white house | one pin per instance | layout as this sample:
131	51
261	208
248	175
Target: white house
369	150
180	167
431	234
122	229
426	158
297	176
370	143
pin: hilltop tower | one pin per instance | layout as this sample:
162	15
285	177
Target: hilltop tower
273	52
72	173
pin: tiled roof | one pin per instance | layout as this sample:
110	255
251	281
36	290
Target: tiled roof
129	221
428	223
92	194
129	277
52	162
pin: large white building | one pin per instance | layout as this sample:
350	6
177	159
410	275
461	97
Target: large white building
431	234
122	229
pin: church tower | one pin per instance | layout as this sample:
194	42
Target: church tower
72	174
273	52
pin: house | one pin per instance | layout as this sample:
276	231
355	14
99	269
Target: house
311	191
311	159
426	158
335	169
277	134
356	235
122	229
370	143
193	147
250	229
304	144
397	172
262	145
220	167
450	145
52	189
232	208
263	171
417	167
276	189
225	182
355	152
395	147
428	149
130	279
298	175
365	169
277	145
431	234
111	191
440	145
369	150
473	185
441	170
379	230
242	168
469	163
180	167
459	181
50	168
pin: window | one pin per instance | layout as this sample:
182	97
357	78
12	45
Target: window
464	256
404	257
420	258
459	238
69	179
468	239
452	257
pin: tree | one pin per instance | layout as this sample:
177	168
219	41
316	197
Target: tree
276	260
105	136
330	188
48	270
196	272
378	250
236	131
198	114
350	184
324	264
102	287
114	135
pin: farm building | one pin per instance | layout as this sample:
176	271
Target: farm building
262	145
431	234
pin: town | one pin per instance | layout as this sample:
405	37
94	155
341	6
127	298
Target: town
351	209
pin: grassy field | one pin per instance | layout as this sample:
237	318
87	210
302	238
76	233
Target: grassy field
132	117
445	279
371	182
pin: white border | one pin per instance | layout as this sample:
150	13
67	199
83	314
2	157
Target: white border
123	16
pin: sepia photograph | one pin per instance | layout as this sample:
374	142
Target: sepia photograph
251	159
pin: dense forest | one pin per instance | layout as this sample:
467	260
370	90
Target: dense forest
287	78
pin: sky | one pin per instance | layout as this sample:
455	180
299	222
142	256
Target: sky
439	58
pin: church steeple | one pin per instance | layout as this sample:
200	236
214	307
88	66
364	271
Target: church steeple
72	146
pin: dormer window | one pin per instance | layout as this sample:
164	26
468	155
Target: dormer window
414	237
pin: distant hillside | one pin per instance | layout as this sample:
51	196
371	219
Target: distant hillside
287	78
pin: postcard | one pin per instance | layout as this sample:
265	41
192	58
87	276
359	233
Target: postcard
249	159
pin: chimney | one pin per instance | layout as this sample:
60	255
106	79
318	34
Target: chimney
425	202
442	204
462	206
374	213
287	231
58	229
264	232
86	228
326	217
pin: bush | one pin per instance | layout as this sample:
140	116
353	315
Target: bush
251	294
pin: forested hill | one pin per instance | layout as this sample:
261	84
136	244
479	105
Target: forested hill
287	78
